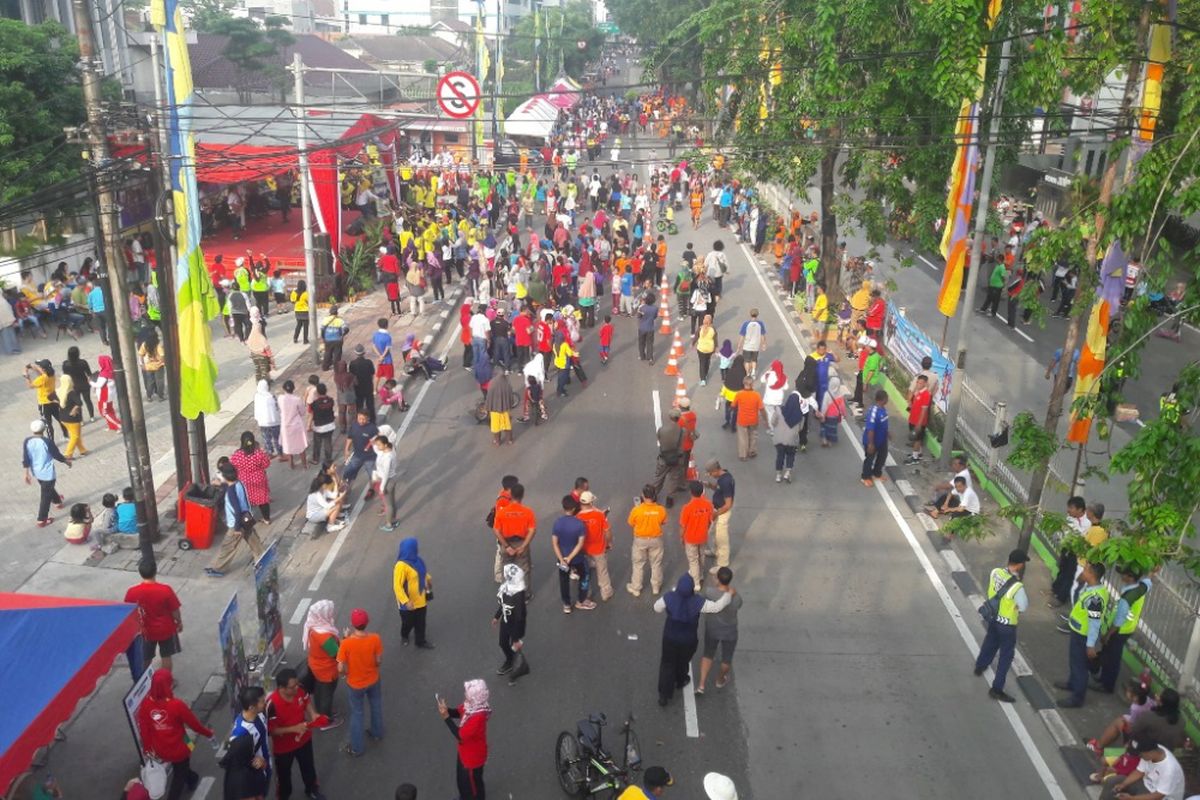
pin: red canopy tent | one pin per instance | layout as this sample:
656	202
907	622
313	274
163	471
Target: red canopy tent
55	650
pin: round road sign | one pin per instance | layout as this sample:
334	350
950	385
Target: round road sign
459	94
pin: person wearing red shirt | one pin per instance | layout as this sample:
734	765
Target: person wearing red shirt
875	313
468	725
289	713
919	400
388	264
545	338
606	337
162	720
523	335
560	273
687	421
597	542
158	613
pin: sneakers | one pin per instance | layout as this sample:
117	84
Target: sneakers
334	722
566	609
506	667
787	476
632	591
778	477
213	573
586	605
334	527
913	458
391	526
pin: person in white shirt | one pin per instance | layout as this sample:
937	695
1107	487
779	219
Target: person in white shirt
1158	775
324	504
481	331
961	502
384	474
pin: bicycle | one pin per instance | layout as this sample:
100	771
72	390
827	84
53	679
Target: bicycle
667	226
586	769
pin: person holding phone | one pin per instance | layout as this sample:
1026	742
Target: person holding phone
468	725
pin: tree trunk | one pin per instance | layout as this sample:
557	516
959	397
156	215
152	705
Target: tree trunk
1089	282
831	266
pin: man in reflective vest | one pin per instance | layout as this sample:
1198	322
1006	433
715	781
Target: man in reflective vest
1086	622
1002	631
1122	623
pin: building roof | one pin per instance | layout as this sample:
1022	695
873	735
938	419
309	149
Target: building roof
212	70
456	25
404	48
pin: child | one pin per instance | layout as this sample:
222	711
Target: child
226	311
390	394
725	357
606	336
384	477
534	399
834	405
279	289
393	296
106	523
1137	694
126	512
80	526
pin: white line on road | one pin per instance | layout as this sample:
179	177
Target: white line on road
657	410
691	720
1035	757
301	610
1024	335
1058	727
203	788
953	561
932	266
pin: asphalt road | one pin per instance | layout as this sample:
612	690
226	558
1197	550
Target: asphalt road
851	679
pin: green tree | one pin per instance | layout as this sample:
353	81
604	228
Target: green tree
40	94
256	50
206	15
561	31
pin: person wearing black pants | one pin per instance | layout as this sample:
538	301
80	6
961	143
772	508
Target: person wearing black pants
1130	600
413	588
875	439
510	619
468	725
680	633
38	455
289	712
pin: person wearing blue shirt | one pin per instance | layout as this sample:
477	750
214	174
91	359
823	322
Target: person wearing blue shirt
1001	634
126	512
875	439
95	302
1085	622
647	316
1056	359
567	536
1133	591
240	523
38	455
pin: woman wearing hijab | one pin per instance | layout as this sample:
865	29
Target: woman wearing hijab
71	403
510	618
834	404
266	414
786	434
102	385
163	720
725	358
499	401
413	587
81	375
259	347
292	423
252	462
734	377
680	637
320	643
468	725
775	385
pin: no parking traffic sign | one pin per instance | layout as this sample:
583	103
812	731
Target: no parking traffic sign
459	94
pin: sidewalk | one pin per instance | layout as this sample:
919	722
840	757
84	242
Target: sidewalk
1041	658
71	570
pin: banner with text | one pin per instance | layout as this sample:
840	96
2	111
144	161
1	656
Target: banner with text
908	344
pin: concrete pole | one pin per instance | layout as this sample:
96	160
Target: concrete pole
974	267
310	267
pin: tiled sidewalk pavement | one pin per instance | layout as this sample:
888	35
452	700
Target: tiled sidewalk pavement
1041	657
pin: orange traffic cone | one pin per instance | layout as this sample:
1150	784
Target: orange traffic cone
680	390
664	311
677	347
692	474
672	365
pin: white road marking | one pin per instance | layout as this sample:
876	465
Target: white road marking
301	610
1058	727
953	561
1020	666
926	521
657	410
1023	335
904	487
932	266
331	556
203	788
1022	733
691	720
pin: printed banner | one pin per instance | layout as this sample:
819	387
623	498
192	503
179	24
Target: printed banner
233	655
266	591
133	701
908	344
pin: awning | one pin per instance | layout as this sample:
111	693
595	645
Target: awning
564	93
55	650
534	118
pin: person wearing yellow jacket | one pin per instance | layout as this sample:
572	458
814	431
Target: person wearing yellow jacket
563	356
413	587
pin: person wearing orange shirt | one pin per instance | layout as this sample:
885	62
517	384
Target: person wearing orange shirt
660	253
750	411
514	528
358	659
320	642
597	542
694	521
502	499
646	519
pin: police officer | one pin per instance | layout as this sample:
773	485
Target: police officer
1122	622
1085	621
1002	631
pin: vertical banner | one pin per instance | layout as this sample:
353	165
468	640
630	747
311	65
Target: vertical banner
196	299
266	595
233	654
956	240
133	701
908	344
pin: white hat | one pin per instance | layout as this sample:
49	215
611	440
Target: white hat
383	251
587	498
719	787
872	343
37	426
239	262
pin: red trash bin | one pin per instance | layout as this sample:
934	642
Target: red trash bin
200	517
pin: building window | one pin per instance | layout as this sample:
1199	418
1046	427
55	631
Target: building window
383	20
362	19
450	138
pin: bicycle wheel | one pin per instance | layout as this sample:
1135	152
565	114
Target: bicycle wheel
661	225
672	228
568	765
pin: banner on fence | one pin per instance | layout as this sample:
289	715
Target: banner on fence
908	345
233	654
266	590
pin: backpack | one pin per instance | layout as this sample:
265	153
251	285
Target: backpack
332	333
989	612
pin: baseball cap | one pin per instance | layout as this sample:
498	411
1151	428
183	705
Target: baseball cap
1018	557
719	787
685	402
359	618
239	261
37	426
657	777
587	498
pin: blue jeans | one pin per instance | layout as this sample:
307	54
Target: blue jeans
8	339
564	378
374	695
270	439
1001	638
357	462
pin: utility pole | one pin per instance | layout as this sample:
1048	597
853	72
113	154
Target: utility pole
537	48
1122	128
480	47
129	395
973	265
497	84
310	267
